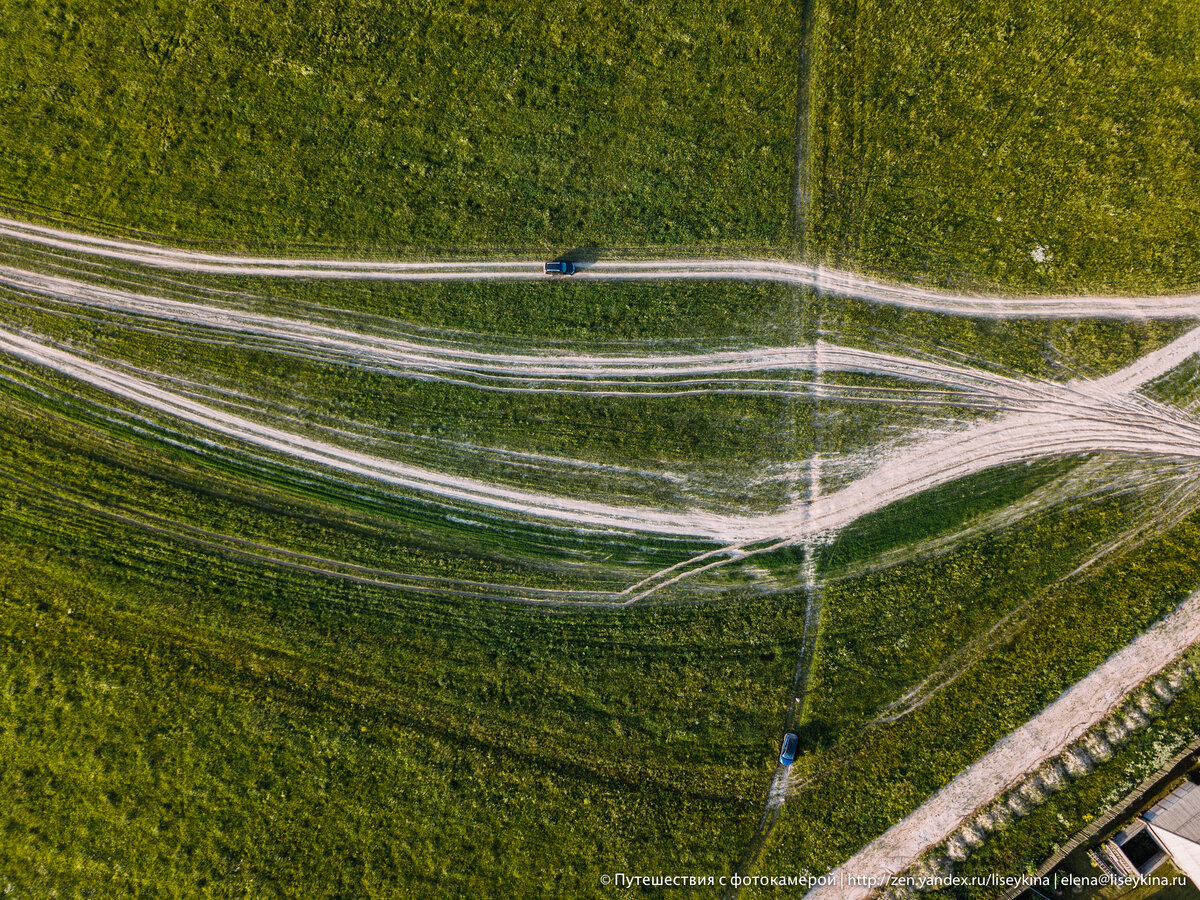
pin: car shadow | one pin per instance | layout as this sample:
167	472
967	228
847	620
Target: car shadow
583	257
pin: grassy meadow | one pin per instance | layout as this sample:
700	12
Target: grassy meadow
867	761
225	674
545	124
180	718
1026	144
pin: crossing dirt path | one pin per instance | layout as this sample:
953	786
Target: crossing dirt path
1078	417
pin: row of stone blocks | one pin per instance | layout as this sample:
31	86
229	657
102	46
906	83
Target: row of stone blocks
1079	759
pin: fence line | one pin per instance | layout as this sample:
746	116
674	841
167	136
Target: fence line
1096	826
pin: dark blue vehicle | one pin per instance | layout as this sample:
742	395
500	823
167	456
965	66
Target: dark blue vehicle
787	755
560	267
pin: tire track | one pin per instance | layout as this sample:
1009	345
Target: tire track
825	280
1080	417
539	366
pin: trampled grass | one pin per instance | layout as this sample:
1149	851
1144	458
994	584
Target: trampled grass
672	450
1058	350
565	419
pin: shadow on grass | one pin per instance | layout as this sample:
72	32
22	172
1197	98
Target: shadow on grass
583	257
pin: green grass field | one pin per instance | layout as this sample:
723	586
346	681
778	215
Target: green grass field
224	672
882	633
187	720
950	143
250	732
425	124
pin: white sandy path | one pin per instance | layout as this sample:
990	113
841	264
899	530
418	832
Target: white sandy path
433	358
1079	417
1041	738
831	281
349	461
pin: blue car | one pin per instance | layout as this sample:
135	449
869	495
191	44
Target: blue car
560	267
787	755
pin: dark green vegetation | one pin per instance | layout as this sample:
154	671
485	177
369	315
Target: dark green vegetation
670	316
925	629
935	512
377	125
950	142
196	723
1180	387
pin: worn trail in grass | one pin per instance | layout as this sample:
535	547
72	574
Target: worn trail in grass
1076	418
825	280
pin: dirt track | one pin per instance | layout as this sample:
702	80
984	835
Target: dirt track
687	372
1042	738
1045	419
1079	417
341	459
830	281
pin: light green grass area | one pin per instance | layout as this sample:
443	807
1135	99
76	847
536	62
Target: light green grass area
950	142
551	123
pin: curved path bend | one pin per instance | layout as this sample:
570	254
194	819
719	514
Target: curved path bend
1079	417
